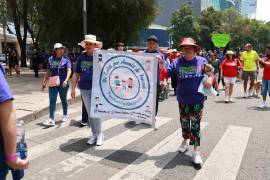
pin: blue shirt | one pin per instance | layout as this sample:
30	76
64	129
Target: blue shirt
59	66
84	66
5	92
189	75
5	95
221	57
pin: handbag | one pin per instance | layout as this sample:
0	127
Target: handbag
55	80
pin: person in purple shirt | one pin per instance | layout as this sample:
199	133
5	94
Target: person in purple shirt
84	76
8	131
189	70
58	66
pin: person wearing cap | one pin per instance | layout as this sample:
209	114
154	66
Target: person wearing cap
152	47
57	76
8	131
229	70
250	61
189	72
120	46
83	76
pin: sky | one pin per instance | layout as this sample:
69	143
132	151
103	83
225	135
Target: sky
263	10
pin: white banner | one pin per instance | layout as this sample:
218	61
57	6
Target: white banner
124	86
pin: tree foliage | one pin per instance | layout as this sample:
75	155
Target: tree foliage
111	21
183	24
241	29
209	22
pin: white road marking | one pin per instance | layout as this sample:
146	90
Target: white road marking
50	146
85	159
153	161
225	159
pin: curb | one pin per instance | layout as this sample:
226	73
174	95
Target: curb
42	112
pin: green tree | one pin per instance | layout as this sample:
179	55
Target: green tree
235	25
183	24
209	22
111	21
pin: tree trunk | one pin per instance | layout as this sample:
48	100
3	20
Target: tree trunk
23	47
17	23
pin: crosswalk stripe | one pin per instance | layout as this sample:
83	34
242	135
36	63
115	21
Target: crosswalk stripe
225	159
152	162
82	160
40	130
49	146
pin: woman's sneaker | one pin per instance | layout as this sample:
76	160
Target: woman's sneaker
184	146
65	118
92	140
263	105
231	99
100	138
226	99
196	159
50	122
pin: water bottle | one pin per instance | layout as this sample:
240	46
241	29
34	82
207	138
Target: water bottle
21	149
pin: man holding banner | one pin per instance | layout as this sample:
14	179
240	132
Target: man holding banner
152	47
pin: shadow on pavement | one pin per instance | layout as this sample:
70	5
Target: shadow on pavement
58	124
255	108
136	127
249	97
223	102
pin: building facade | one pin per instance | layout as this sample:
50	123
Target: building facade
246	8
236	4
249	8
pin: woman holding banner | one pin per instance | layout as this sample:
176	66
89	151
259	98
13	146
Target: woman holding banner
189	70
83	76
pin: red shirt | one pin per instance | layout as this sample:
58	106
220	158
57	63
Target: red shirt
172	58
266	70
163	74
230	67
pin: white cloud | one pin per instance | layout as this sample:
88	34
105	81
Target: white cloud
263	10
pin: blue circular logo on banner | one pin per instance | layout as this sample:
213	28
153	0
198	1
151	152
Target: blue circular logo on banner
124	83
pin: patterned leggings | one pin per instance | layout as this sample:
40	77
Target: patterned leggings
190	118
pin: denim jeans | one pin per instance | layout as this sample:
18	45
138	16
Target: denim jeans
3	166
265	89
53	92
95	123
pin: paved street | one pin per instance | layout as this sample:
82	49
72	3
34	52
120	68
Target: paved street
235	145
29	101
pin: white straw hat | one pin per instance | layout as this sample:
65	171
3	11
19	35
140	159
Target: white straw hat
58	46
91	38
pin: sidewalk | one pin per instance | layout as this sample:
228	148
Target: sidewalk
29	101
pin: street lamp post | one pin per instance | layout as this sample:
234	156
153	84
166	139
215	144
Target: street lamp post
84	18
